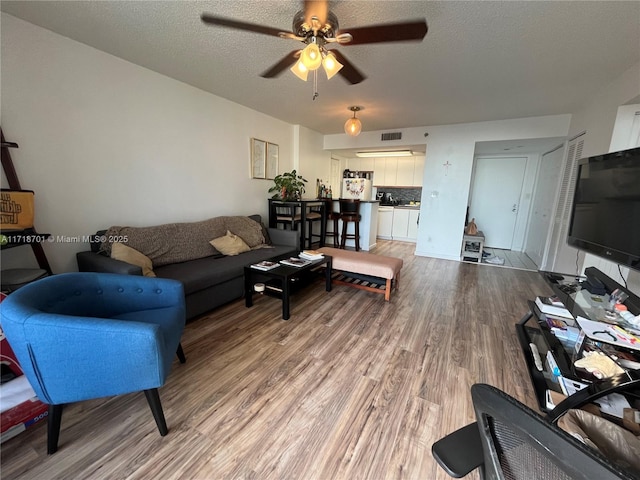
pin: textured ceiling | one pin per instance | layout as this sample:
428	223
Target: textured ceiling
481	60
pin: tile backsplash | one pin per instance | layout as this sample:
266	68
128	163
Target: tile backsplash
403	195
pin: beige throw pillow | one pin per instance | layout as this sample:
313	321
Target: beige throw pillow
120	251
230	244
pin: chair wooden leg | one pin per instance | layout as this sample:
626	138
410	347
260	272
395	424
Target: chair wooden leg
357	228
180	354
53	428
343	237
153	398
335	233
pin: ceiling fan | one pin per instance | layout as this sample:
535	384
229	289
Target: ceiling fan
317	27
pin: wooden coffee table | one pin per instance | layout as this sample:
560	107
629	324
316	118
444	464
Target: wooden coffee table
282	281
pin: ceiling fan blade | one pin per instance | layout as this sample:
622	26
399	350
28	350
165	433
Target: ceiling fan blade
388	32
316	8
250	27
350	73
282	65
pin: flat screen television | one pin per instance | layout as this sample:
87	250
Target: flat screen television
605	217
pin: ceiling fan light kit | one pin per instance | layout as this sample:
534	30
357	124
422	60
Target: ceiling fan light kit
316	26
353	126
331	65
300	70
311	56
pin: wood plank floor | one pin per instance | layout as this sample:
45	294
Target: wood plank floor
351	387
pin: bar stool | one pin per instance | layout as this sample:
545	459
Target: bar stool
350	212
286	215
315	214
332	219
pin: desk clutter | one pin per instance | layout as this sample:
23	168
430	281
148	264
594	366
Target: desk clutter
583	354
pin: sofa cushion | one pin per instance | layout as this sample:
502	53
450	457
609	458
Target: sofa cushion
203	273
230	244
180	242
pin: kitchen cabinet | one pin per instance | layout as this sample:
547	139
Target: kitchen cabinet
354	164
366	164
418	171
379	172
391	171
385	222
360	164
400	223
412	229
405	172
396	171
385	171
405	224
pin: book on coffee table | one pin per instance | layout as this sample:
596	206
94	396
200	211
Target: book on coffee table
548	307
265	265
295	262
311	255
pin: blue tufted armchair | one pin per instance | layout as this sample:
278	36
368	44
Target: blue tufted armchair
88	335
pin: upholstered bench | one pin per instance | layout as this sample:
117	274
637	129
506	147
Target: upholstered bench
376	268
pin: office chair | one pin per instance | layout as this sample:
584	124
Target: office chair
511	441
80	336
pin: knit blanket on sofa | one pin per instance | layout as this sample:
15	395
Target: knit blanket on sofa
180	242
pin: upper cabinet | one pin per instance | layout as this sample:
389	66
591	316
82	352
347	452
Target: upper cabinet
404	177
398	172
360	164
391	171
418	171
379	171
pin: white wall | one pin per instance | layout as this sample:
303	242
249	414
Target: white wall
448	167
311	159
105	142
599	119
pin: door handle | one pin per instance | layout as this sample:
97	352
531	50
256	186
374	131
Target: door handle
515	207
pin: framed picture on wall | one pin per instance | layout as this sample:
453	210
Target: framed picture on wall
272	160
258	158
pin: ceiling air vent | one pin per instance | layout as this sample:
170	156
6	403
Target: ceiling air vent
391	136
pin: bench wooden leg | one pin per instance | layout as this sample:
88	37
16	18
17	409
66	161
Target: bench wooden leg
387	290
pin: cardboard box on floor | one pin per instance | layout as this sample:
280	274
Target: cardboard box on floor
18	418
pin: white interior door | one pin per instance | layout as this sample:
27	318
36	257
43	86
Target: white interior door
543	204
495	198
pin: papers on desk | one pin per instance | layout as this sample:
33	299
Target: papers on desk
613	404
606	333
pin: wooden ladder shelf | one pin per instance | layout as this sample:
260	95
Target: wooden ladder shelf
14	184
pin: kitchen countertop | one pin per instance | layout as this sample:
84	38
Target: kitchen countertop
408	207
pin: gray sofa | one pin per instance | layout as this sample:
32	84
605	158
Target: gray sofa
182	252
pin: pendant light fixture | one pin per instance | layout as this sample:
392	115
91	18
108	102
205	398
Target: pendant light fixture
353	126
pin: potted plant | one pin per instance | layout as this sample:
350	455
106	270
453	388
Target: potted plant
288	186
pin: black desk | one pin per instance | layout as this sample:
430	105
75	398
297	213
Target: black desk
304	205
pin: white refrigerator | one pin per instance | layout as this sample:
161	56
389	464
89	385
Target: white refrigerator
356	188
